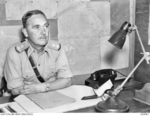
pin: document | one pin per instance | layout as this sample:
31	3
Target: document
107	85
63	100
50	99
77	91
41	101
15	106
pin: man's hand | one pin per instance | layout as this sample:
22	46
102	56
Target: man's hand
33	88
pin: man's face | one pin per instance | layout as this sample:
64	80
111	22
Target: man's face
37	30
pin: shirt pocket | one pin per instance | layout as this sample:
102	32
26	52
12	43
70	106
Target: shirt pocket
50	72
30	77
28	74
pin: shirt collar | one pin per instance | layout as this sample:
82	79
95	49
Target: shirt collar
31	49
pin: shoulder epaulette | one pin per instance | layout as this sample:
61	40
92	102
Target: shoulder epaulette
54	44
22	46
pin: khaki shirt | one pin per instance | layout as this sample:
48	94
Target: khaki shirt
51	64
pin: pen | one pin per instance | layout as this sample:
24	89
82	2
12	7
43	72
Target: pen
11	109
89	97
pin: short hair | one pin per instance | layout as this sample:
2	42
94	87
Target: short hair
27	15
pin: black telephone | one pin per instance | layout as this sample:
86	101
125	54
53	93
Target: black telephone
100	77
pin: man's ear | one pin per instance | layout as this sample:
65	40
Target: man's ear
24	31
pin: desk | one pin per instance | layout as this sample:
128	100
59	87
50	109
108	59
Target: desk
125	95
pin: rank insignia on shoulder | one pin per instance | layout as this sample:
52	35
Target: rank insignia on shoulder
54	44
22	46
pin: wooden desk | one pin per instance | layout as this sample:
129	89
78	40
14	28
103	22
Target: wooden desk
125	95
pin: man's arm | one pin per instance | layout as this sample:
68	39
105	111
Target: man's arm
12	71
42	87
58	84
16	91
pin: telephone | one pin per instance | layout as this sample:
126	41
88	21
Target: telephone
100	77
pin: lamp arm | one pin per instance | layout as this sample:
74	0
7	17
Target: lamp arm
119	88
146	54
132	71
140	40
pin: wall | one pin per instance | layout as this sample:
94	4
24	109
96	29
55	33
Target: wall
142	22
119	12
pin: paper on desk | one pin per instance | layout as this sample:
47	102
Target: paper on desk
73	106
27	104
50	99
74	91
13	105
107	85
77	91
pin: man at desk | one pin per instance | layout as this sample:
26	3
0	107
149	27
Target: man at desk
50	70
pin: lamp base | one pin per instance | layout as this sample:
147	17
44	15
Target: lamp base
112	105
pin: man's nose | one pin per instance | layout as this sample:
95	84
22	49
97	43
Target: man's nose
43	31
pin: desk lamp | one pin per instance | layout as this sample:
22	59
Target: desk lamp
112	104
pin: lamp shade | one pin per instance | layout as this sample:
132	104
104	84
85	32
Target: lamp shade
119	37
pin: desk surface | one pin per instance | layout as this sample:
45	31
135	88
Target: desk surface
125	95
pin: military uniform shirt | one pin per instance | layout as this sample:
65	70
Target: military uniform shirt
51	64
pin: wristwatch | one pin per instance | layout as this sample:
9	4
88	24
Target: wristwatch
47	88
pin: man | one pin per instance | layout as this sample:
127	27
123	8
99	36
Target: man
49	59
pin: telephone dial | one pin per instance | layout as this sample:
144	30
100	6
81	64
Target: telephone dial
100	77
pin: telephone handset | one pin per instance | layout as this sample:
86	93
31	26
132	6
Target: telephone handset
100	77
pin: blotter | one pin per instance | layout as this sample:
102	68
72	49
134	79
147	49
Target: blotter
143	95
41	101
50	99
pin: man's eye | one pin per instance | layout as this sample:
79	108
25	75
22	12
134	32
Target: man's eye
47	25
37	27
